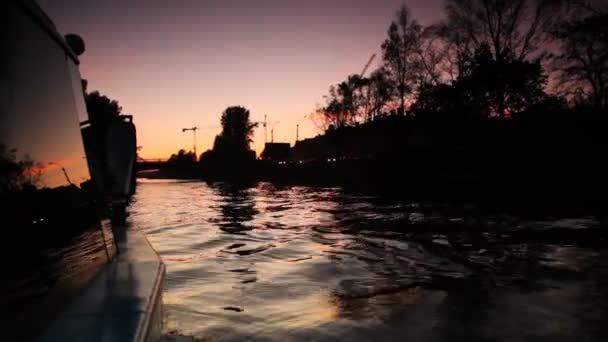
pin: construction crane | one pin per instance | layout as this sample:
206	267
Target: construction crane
265	123
369	62
193	129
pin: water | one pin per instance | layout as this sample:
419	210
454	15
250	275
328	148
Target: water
298	263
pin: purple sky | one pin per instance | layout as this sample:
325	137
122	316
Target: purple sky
175	64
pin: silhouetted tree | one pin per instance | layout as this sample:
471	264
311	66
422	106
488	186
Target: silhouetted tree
443	100
16	175
338	106
101	108
381	91
509	32
486	88
400	52
357	98
433	64
182	157
513	29
237	129
346	98
325	116
361	98
500	87
231	158
582	62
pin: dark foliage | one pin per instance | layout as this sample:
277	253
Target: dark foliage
487	88
102	110
182	158
17	175
582	62
237	130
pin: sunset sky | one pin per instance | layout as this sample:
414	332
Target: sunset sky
176	64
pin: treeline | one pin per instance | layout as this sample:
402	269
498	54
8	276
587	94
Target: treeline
502	100
229	157
488	59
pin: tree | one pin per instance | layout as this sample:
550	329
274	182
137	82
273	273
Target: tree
329	115
356	99
17	175
237	128
101	108
182	158
361	106
501	87
381	91
582	63
486	88
443	100
400	52
509	36
434	61
455	45
339	105
345	95
512	29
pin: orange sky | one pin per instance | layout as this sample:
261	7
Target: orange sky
176	64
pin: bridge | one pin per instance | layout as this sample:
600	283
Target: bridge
149	164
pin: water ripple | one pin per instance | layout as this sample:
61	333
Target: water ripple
301	263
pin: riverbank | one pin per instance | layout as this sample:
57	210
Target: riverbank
440	178
538	160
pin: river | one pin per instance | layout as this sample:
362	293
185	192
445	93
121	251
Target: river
270	263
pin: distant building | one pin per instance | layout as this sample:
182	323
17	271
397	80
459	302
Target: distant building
276	151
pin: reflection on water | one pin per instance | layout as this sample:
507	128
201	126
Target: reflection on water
300	263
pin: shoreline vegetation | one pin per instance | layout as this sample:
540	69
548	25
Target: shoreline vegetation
502	102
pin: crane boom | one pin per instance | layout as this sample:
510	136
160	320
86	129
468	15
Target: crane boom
369	62
265	124
193	129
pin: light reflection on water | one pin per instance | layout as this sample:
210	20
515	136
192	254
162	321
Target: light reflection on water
300	263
